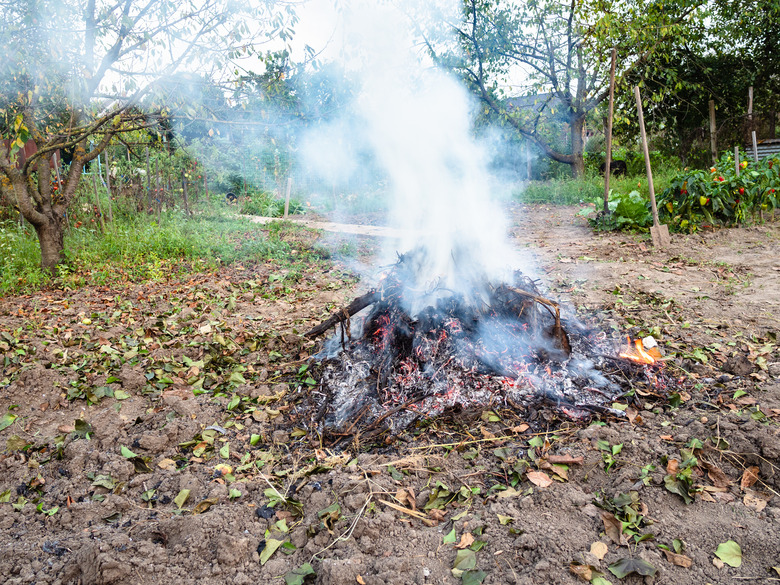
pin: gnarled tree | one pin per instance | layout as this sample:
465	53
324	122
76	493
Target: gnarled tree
77	72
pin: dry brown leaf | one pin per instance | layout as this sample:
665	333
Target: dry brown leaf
539	478
717	476
723	497
583	571
672	466
437	515
756	500
521	428
566	459
167	464
466	540
486	433
360	580
406	498
599	550
677	559
666	437
613	528
749	477
707	497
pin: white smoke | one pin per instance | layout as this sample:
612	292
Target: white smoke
417	121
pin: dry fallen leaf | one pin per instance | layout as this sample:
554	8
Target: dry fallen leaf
360	580
613	528
717	476
749	477
599	550
672	466
583	571
520	428
756	500
486	433
167	464
566	459
677	559
539	478
436	514
466	540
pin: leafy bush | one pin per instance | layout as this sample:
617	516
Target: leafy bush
718	196
264	204
627	211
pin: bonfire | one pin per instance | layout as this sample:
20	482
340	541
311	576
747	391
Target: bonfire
414	346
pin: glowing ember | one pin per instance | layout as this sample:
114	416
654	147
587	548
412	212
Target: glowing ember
636	352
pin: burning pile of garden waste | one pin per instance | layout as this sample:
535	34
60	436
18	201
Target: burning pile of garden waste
416	347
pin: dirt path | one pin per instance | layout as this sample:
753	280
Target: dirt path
182	456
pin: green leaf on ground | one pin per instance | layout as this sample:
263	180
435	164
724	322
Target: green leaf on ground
623	567
473	577
271	546
297	576
465	560
450	538
127	453
181	498
7	420
730	553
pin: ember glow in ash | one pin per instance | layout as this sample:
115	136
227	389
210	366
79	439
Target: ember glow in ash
503	345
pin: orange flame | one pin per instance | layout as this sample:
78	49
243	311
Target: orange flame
636	352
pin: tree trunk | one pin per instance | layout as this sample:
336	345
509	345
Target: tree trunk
577	147
51	239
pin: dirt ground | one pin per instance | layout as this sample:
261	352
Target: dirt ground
152	434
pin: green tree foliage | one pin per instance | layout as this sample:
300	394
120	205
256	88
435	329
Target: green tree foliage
556	55
719	49
78	72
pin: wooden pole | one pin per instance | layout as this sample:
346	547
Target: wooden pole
646	151
736	159
608	158
108	190
713	130
750	105
755	146
148	183
184	192
287	197
97	202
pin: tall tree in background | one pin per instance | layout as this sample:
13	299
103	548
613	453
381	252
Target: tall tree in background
77	72
557	53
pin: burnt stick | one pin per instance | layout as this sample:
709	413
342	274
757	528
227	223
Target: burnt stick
344	313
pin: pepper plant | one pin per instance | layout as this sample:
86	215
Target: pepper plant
719	196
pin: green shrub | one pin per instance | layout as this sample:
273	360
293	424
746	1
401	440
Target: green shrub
627	211
264	204
717	196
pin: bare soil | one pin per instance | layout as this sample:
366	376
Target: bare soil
153	433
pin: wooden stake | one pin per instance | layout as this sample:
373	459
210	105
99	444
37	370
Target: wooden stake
608	161
97	202
148	183
660	233
184	192
713	130
287	196
108	190
755	146
736	159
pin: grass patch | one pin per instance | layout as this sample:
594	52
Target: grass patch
590	189
145	248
